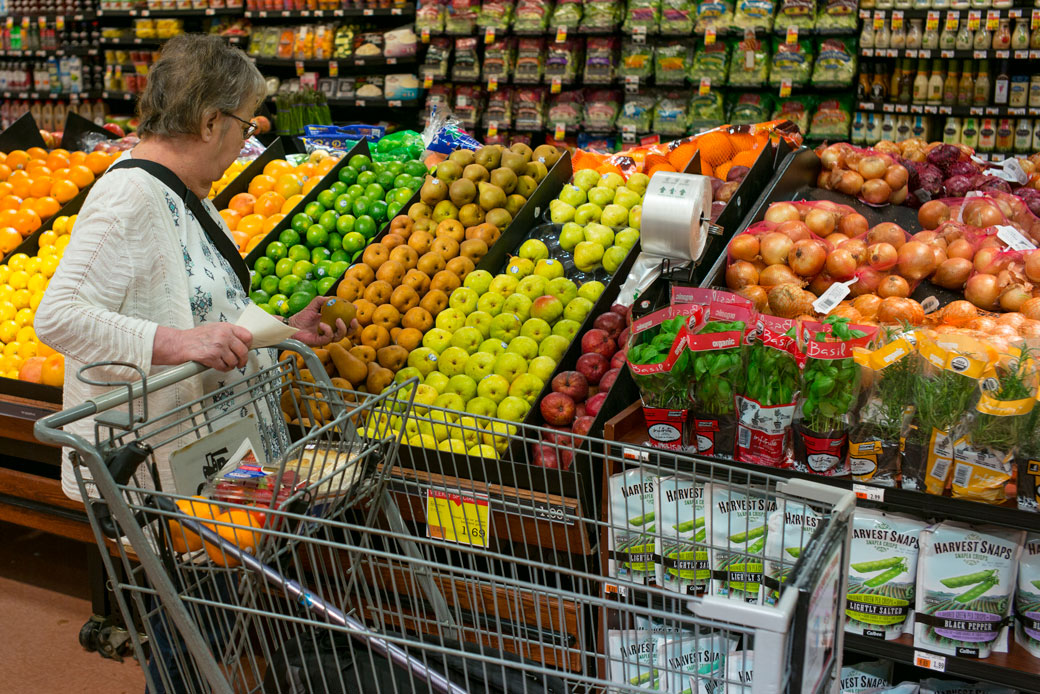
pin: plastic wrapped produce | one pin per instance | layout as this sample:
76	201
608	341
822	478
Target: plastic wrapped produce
637	59
792	61
671	116
711	62
642	16
498	59
637	112
567	13
564	59
601	15
530	61
497	14
671	62
565	109
753	14
799	13
832	119
835	63
467	61
837	16
795	109
677	17
531	16
601	109
750	64
600	58
750	108
529	108
716	13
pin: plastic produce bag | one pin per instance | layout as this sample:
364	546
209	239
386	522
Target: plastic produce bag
711	62
753	14
832	119
637	59
799	13
567	13
835	62
637	112
671	114
795	109
767	402
403	145
642	16
750	64
792	61
601	15
677	17
717	13
671	62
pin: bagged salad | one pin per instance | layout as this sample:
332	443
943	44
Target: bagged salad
531	16
799	13
837	16
754	14
791	61
677	17
642	16
835	63
750	64
707	111
601	109
637	112
637	60
601	54
601	15
795	109
671	116
711	62
671	63
750	108
567	13
832	119
716	13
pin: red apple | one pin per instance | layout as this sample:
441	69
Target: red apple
598	341
608	380
623	311
618	360
557	409
593	404
544	455
571	383
582	425
622	339
579	410
114	129
611	322
593	366
561	436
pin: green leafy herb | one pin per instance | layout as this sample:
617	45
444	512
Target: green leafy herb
772	375
718	374
1003	433
829	385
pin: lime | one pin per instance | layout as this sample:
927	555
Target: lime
415	168
328	220
348	174
374	191
314	209
356	256
288	284
401	195
335	241
341	254
275	250
254	280
283	268
326	198
378	167
353	241
389	195
378	211
290	237
355	191
366	178
343	203
395	167
337	268
319	254
360	207
264	265
301	222
270	284
325	284
299	300
307	287
316	236
277	300
302	268
266	308
259	297
393	209
366	226
345	223
321	269
299	252
338	188
385	179
402	180
360	162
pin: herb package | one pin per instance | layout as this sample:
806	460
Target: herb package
946	385
1029	465
965	584
632	526
682	548
788	530
829	388
767	402
1027	597
884	416
736	531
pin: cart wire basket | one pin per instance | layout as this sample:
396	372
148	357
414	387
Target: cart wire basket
399	547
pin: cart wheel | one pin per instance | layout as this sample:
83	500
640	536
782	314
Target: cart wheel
88	634
114	642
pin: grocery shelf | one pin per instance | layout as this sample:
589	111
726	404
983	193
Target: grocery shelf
996	111
321	14
68	50
579	33
1010	13
353	61
984	54
368	102
119	96
1016	669
33	94
138	41
634	83
77	17
147	12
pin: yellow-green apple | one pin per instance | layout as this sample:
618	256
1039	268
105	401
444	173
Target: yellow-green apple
527	387
637	183
554	347
614	215
626	238
493	346
573	195
518	305
626	197
490	303
611	180
437	339
566	328
533	249
587	256
542	367
532	286
478	281
493	387
483	451
452	362
577	309
547	308
571	235
437	381
613	257
524	346
519	267
591	290
589	212
513	409
601	196
450	445
482	407
635	217
503	284
505	326
424	359
509	365
560	212
585	179
479	365
563	289
481	320
549	268
467	338
463	385
599	233
462	299
449	401
406	373
536	329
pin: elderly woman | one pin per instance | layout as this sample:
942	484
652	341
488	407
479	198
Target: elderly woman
146	278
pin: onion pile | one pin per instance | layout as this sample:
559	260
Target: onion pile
870	175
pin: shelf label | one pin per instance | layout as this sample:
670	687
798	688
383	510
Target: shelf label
866	106
394	103
559	131
210	12
868	492
897	20
368	12
992	20
980	54
59	22
492	128
709	36
333	68
299	68
930	661
556	86
705	86
1034	20
924	53
888	108
493	83
785	87
911	52
953	20
879	19
427	81
868	52
1021	55
458	518
931	109
631	83
489	35
792	34
974	19
561	34
360	103
945	54
425	34
639	33
391	61
975	110
902	108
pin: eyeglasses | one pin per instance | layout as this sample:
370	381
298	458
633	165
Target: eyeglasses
249	129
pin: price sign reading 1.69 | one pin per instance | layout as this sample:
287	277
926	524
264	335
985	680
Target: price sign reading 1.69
458	518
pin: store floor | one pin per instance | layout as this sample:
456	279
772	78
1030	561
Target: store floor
44	601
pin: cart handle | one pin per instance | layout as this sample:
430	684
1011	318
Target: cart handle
45	427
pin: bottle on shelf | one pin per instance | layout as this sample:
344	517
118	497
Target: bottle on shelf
921	128
983	38
882	36
970	133
863	84
1005	135
904	127
906	82
897	38
1034	38
914	34
948	38
966	85
950	84
930	39
940	4
873	128
964	40
981	96
859	126
987	135
879	85
952	131
1036	135
935	83
894	80
1018	95
1034	91
866	36
888	127
920	90
1020	36
1001	84
1023	135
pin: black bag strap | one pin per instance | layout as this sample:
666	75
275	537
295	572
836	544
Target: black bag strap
223	244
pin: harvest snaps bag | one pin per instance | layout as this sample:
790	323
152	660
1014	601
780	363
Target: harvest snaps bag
632	526
634	656
857	678
736	529
681	538
788	531
1027	597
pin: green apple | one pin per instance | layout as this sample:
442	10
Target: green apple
637	183
498	434
480	365
614	216
524	346
505	326
542	367
452	361
561	212
509	365
577	309
493	346
587	256
563	289
450	319
424	359
635	217
573	195
589	212
448	401
611	180
478	281
437	339
519	268
549	268
424	395
482	407
601	196
626	238
571	235
599	233
452	446
585	179
513	409
483	450
406	373
491	304
532	286
626	197
481	320
467	338
503	284
591	290
462	385
536	329
527	387
417	427
518	305
437	381
566	328
422	441
441	422
533	250
554	347
547	307
493	387
463	300
467	431
613	258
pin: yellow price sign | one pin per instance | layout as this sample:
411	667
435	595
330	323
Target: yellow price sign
705	86
458	518
785	88
932	22
974	20
709	36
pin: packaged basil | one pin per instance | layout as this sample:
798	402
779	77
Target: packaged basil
835	63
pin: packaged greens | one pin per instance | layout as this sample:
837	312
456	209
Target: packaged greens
837	16
706	111
530	61
965	583
857	678
716	13
403	145
984	452
460	20
736	530
671	116
749	66
766	405
883	572
637	60
788	531
750	108
1027	597
467	62
634	656
529	108
438	58
754	14
696	664
1029	466
565	108
832	119
499	108
498	59
799	13
531	16
681	538
632	527
830	385
497	14
937	686
946	385
642	16
795	109
600	58
791	61
886	407
835	63
637	112
601	110
600	15
711	62
671	61
567	13
564	59
677	17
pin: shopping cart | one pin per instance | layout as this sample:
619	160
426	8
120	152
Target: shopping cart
414	565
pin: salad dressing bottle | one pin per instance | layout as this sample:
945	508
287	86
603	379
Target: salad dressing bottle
935	83
1002	36
949	89
930	39
1023	136
859	126
1020	37
982	38
970	133
1034	39
981	97
1000	89
987	135
921	82
882	36
952	131
894	80
966	86
897	39
906	82
913	34
965	38
866	37
1005	136
948	39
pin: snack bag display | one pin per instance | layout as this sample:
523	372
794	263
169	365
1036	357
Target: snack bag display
680	509
632	527
634	656
1027	597
862	676
736	529
788	531
689	658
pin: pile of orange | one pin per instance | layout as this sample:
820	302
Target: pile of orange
35	183
720	151
270	196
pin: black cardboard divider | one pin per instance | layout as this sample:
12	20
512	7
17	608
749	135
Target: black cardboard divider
81	134
22	134
240	184
30	391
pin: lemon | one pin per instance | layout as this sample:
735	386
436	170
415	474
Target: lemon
48	238
17	261
60	226
27	350
62	242
72	221
12	348
49	266
6	293
24	317
25	334
18	279
32	265
5	272
8	329
13	373
37	283
48	252
34	300
21	298
7	311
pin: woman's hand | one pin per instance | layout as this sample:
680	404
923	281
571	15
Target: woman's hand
220	346
311	331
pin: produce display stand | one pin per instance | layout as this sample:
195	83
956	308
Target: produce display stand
276	149
82	134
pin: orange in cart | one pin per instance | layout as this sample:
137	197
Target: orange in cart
238	533
182	539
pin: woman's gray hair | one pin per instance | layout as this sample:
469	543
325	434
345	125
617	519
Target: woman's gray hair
195	75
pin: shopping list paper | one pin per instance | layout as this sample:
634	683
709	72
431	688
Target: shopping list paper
267	330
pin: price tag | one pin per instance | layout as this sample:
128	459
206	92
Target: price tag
489	35
868	52
427	81
492	128
561	34
25	24
559	131
931	23
333	68
953	20
556	85
41	22
1013	237
749	34
785	87
631	83
897	19
945	54
749	60
309	79
980	54
888	108
59	22
299	68
930	661
832	297
1022	55
974	19
902	108
367	12
911	52
396	11
458	518
975	111
1034	20
705	86
394	103
425	34
360	103
866	106
10	22
639	33
792	34
866	491
879	19
209	12
709	36
992	20
391	61
635	454
305	13
493	83
1002	54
